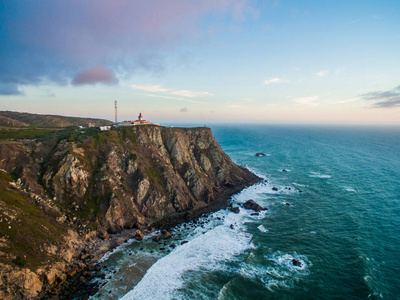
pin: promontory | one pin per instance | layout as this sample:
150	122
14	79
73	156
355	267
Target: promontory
61	191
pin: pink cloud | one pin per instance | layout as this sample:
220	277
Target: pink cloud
97	74
53	40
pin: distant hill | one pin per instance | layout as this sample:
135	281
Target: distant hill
18	119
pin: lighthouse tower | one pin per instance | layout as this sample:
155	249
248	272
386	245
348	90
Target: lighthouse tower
140	118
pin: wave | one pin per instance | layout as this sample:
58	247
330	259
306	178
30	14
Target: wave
319	175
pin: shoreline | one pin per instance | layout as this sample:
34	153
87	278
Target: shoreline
78	283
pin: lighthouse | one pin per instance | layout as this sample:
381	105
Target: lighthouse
140	118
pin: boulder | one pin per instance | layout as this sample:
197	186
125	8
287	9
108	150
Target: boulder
274	188
103	235
157	238
251	204
260	154
296	262
236	209
138	235
166	234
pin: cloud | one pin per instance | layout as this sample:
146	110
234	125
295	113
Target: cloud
275	80
172	98
10	89
307	101
184	110
322	73
344	101
149	88
384	99
53	41
186	93
97	74
161	92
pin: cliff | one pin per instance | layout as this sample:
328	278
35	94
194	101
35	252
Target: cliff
59	192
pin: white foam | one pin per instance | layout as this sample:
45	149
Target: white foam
351	190
204	252
319	175
262	228
281	271
299	184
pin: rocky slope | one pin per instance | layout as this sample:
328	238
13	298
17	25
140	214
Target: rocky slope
20	119
57	194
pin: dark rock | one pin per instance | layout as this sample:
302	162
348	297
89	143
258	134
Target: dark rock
103	235
255	214
300	191
138	235
236	210
167	235
274	188
231	226
184	242
296	262
94	291
287	204
260	154
172	245
284	170
251	204
97	268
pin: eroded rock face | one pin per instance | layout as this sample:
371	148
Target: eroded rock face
142	174
125	178
18	283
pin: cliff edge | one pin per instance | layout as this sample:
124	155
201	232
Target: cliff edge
59	192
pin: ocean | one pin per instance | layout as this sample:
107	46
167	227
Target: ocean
335	208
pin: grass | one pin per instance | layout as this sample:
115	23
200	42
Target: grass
23	133
27	229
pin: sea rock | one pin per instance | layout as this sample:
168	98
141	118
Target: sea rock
260	154
274	188
138	235
251	204
156	238
236	209
284	170
167	235
296	262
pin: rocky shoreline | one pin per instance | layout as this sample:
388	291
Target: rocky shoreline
78	283
67	199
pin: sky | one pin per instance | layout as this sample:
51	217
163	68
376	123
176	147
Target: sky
209	61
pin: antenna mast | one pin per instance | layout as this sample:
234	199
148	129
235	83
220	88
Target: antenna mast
116	112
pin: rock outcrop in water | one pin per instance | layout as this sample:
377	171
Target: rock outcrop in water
58	194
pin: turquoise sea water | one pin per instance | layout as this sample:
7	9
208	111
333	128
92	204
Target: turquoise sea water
343	227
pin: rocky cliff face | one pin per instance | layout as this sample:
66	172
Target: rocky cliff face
132	177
